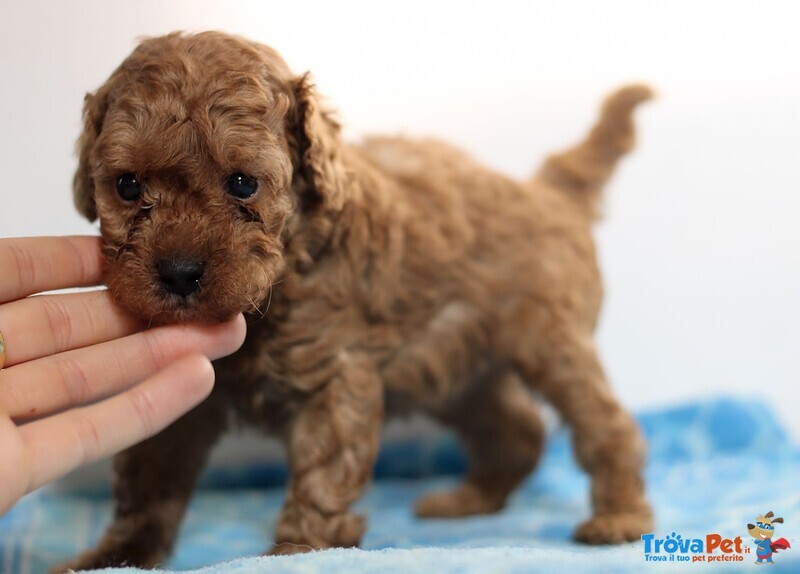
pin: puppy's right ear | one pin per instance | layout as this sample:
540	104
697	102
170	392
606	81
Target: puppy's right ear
94	111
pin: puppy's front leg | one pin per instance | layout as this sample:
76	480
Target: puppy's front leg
332	443
153	483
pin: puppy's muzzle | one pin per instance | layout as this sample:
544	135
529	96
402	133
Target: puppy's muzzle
180	276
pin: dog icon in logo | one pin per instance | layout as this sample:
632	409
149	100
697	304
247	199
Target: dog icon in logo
763	531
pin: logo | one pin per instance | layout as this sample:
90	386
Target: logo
762	532
715	548
710	548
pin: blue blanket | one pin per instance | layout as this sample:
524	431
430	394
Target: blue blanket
713	468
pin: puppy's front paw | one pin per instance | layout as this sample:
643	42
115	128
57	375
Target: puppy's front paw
614	528
86	561
141	547
95	560
285	548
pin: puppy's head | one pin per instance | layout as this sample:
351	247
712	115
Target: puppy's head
203	157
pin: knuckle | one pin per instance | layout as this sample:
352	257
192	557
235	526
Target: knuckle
60	323
156	344
75	381
87	436
85	261
144	409
24	267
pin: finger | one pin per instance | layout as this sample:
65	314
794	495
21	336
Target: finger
59	444
16	467
34	264
71	379
48	324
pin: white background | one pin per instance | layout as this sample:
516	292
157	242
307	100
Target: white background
701	244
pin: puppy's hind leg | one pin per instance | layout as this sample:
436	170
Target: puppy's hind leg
498	422
153	483
608	443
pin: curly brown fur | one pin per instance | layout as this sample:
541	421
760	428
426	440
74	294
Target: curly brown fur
396	271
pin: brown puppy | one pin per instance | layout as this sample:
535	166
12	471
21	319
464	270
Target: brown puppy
396	272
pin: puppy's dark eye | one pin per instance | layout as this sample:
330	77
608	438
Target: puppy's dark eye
129	187
241	186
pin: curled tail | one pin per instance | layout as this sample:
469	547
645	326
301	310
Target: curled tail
583	170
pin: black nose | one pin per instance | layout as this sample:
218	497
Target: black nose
751	526
180	276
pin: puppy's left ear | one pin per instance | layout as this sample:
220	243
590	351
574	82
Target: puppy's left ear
318	170
94	111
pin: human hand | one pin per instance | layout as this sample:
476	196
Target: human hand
83	379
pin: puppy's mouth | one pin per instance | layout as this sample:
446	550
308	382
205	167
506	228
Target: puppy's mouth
168	308
192	299
184	286
160	301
